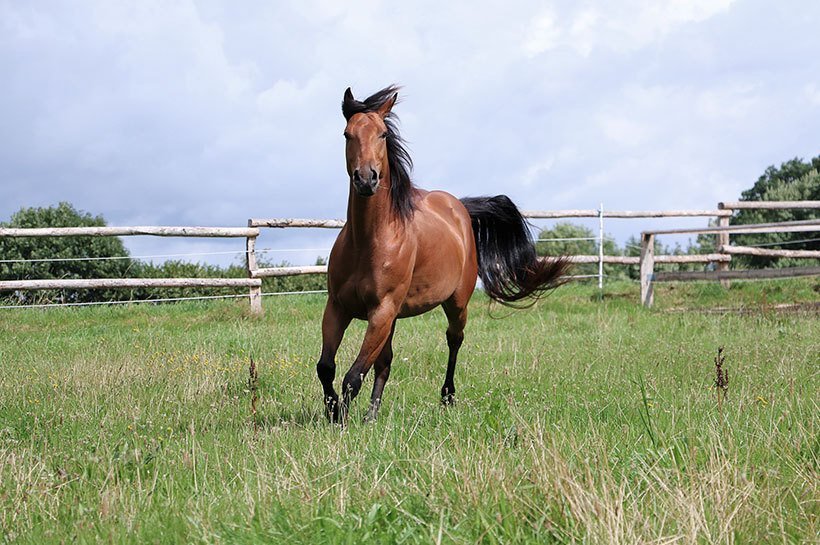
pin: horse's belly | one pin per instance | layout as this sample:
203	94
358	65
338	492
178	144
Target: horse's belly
427	291
416	306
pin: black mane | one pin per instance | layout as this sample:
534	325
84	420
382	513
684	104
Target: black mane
398	158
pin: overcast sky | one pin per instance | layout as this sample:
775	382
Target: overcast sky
208	113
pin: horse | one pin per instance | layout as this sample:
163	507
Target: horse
404	251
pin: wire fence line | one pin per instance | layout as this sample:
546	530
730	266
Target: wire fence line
569	239
232	252
201	297
784	243
156	256
162	300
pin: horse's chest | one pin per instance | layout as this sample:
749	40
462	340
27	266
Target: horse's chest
364	289
412	276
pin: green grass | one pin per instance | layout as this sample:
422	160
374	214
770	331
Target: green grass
578	420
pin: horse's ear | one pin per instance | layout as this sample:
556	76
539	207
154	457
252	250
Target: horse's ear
347	103
385	108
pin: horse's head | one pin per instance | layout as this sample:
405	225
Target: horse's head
366	137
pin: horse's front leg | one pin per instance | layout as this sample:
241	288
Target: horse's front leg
334	323
379	327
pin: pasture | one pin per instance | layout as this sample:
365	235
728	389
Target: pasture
577	420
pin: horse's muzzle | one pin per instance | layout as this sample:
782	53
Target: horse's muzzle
365	186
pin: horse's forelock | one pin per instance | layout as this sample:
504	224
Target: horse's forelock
351	106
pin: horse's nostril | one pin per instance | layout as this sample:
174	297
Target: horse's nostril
374	175
356	174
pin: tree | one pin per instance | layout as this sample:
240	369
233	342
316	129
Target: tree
74	253
795	180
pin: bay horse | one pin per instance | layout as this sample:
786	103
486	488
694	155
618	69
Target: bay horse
404	251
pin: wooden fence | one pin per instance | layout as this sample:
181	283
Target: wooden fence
104	283
647	260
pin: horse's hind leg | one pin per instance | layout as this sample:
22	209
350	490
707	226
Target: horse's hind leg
334	323
457	319
382	370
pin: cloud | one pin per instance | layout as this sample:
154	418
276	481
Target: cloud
208	113
615	26
732	102
543	34
624	131
812	93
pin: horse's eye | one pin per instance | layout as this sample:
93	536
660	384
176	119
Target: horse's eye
383	135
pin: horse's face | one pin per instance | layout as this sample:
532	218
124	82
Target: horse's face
366	149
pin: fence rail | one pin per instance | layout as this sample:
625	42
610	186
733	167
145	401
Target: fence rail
646	261
296	222
782	227
635	260
768	205
745	274
237	232
751	250
273	272
105	283
626	214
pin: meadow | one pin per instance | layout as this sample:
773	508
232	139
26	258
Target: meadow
580	420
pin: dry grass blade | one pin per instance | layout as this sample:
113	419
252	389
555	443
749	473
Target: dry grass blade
253	389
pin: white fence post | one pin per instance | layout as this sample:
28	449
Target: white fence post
601	248
647	270
723	240
255	294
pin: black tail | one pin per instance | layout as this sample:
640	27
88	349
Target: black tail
507	263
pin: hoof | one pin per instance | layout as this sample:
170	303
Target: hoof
332	410
448	396
372	414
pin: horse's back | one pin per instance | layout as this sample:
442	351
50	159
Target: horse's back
442	226
449	211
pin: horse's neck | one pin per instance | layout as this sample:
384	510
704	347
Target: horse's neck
370	218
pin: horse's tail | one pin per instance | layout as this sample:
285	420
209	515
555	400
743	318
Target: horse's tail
507	263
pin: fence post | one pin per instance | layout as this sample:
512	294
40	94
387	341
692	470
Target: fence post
723	240
601	248
255	294
647	270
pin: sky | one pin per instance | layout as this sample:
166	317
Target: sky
210	113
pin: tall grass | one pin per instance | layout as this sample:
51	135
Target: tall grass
576	421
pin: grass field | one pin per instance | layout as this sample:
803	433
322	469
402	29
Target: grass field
578	420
